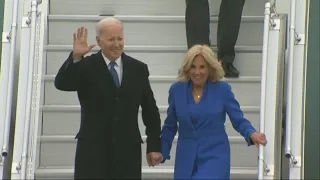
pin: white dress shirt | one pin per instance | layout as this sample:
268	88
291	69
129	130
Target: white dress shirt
118	67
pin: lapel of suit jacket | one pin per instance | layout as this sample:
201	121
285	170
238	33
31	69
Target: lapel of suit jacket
126	72
182	103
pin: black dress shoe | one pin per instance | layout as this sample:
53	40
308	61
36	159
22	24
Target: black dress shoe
230	70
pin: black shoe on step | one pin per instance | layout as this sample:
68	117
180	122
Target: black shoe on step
230	70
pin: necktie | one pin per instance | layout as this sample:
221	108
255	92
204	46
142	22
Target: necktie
114	74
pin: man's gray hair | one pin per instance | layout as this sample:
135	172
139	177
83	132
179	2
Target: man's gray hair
105	21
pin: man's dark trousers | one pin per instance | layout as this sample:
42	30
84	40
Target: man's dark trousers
198	25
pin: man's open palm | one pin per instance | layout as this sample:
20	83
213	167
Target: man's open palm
80	43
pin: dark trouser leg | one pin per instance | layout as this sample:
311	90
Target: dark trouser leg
197	18
228	28
92	160
128	161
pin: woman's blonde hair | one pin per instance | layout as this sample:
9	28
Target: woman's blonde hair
216	72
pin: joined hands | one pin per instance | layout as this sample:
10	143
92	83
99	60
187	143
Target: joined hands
154	158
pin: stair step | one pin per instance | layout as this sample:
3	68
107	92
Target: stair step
60	151
155	35
139	18
158	48
140	7
162	60
165	173
148	30
69	115
246	89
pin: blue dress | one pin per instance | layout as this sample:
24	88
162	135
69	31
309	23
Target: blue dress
203	148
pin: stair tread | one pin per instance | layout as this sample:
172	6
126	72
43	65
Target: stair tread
253	79
161	108
164	173
250	48
69	169
138	7
141	18
70	138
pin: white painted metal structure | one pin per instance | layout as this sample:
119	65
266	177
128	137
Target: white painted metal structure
295	87
7	74
272	93
28	97
156	36
21	97
48	119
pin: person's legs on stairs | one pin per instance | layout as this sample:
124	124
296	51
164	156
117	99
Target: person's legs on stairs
228	30
197	17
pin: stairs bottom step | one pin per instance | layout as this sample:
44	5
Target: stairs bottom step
163	173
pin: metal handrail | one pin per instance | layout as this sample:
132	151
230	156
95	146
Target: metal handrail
272	3
41	59
38	66
4	74
21	96
24	156
11	74
5	54
288	153
267	13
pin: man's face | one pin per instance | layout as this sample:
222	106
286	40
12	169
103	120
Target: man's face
111	40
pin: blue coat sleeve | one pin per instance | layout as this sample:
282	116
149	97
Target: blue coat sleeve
239	122
170	127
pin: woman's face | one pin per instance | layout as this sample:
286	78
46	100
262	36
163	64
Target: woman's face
199	71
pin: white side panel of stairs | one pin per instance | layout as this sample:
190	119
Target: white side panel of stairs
296	88
155	34
29	97
273	104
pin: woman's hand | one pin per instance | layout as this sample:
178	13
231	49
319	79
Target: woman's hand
258	138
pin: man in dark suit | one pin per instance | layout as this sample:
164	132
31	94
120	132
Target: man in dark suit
111	86
197	17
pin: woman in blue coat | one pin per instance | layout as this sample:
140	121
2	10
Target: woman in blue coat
198	104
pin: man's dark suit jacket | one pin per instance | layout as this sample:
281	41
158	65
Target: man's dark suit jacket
109	131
